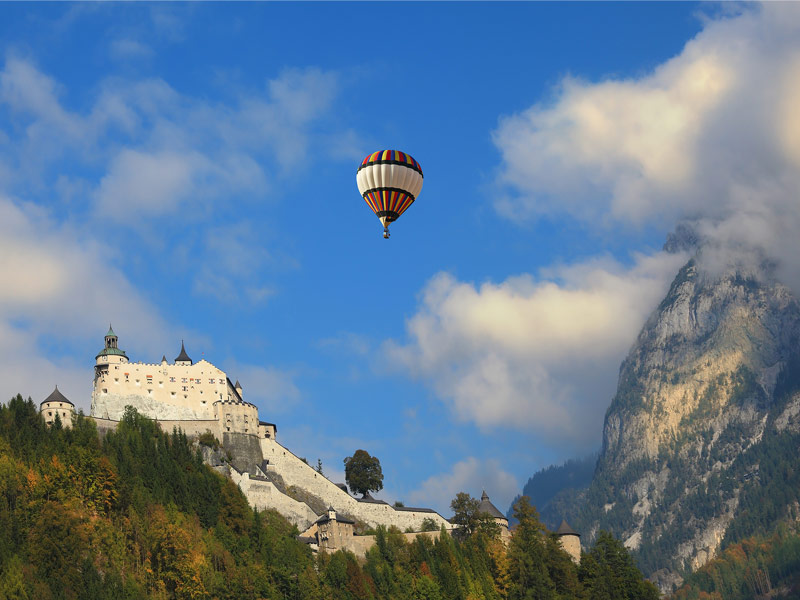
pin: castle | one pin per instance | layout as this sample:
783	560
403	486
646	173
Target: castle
199	398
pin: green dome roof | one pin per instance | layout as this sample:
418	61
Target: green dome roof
108	351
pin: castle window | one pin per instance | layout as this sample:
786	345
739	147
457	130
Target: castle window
185	389
173	393
183	380
211	380
116	380
49	413
172	380
105	390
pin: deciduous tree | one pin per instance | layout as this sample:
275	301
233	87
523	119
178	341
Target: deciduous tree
363	473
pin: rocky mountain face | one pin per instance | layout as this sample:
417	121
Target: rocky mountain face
700	441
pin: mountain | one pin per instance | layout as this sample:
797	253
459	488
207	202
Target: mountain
700	441
573	474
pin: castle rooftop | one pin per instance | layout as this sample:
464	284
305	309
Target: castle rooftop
56	396
490	509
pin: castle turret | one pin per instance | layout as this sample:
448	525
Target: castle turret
111	353
56	406
570	540
238	387
183	358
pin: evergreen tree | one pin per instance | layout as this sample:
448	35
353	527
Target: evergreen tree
527	571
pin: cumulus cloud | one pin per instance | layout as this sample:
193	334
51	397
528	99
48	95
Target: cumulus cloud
472	476
709	137
538	354
57	285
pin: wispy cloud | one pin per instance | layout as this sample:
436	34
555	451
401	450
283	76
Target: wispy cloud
127	49
472	476
272	389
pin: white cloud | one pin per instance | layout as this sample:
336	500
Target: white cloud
472	476
538	355
160	147
709	137
711	133
57	285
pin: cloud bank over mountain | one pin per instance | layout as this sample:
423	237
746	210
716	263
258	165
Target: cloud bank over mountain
709	139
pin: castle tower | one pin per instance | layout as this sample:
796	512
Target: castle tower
238	387
111	353
57	405
490	509
183	358
570	541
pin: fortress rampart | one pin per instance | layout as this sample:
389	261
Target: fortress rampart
198	398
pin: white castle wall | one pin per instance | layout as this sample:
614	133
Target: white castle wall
262	494
162	391
297	473
190	428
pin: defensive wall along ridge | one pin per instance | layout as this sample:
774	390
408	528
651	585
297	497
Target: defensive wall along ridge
199	398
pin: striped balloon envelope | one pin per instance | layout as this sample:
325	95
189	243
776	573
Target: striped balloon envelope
389	181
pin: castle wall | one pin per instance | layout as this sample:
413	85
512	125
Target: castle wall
262	494
190	428
161	391
241	417
343	538
297	473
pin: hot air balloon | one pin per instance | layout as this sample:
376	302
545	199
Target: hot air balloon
390	181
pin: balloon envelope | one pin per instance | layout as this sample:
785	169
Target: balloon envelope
389	181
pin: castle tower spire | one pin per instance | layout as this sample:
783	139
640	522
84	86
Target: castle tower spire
183	358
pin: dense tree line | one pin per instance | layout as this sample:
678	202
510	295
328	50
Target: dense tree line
136	514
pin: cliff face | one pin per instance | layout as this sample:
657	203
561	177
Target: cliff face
709	385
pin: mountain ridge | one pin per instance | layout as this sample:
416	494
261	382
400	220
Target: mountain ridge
706	408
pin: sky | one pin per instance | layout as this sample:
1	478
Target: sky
187	172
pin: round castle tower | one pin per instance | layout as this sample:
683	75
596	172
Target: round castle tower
57	405
570	540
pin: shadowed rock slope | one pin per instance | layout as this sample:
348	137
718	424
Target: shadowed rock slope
700	441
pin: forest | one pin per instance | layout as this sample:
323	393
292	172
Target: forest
137	514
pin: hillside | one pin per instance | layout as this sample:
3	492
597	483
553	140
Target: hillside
700	440
137	514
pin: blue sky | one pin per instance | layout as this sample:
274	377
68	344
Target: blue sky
187	171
